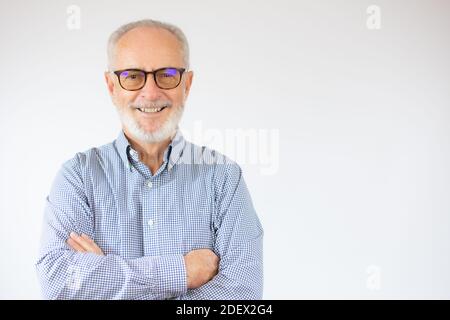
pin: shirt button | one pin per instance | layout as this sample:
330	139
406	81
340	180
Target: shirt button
149	184
150	222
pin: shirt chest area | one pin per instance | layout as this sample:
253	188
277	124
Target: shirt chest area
136	216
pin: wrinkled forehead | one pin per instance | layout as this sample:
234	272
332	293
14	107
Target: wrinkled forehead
148	48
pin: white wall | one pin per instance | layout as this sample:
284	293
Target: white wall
351	178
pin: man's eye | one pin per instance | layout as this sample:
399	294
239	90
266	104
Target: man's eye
168	73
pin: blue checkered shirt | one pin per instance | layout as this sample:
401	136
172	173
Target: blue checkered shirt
145	223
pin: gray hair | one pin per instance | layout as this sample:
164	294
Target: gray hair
116	35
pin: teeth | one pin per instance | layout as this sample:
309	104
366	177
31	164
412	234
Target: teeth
150	110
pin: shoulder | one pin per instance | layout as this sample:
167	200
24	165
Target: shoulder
92	160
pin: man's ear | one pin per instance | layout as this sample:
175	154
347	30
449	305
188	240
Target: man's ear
109	82
188	82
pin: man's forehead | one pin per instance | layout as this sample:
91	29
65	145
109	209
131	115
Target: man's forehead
142	46
148	36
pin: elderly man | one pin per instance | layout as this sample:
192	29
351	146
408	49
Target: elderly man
150	215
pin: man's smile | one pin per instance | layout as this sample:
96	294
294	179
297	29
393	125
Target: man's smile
151	110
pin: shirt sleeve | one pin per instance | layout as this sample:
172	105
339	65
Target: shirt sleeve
66	274
238	243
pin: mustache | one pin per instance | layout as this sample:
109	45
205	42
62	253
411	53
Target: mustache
150	104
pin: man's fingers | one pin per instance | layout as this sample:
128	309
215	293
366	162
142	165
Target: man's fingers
72	243
95	248
86	237
86	245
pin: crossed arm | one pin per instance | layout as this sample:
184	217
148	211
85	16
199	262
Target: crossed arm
72	266
201	265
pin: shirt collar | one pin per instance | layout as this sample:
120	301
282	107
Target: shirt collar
172	153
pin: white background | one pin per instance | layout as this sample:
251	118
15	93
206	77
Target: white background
359	206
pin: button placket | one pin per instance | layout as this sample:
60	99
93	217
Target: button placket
149	217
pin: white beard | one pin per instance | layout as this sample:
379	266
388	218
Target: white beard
166	131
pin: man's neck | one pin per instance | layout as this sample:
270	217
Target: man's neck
151	154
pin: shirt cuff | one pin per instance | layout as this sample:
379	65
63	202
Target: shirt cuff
171	271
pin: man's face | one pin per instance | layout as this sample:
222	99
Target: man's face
148	49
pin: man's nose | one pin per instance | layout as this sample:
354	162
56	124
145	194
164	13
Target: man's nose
150	90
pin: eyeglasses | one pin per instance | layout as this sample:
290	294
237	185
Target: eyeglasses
135	79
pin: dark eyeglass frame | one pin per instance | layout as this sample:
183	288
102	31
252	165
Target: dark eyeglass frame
180	70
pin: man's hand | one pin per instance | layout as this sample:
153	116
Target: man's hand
201	266
83	244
